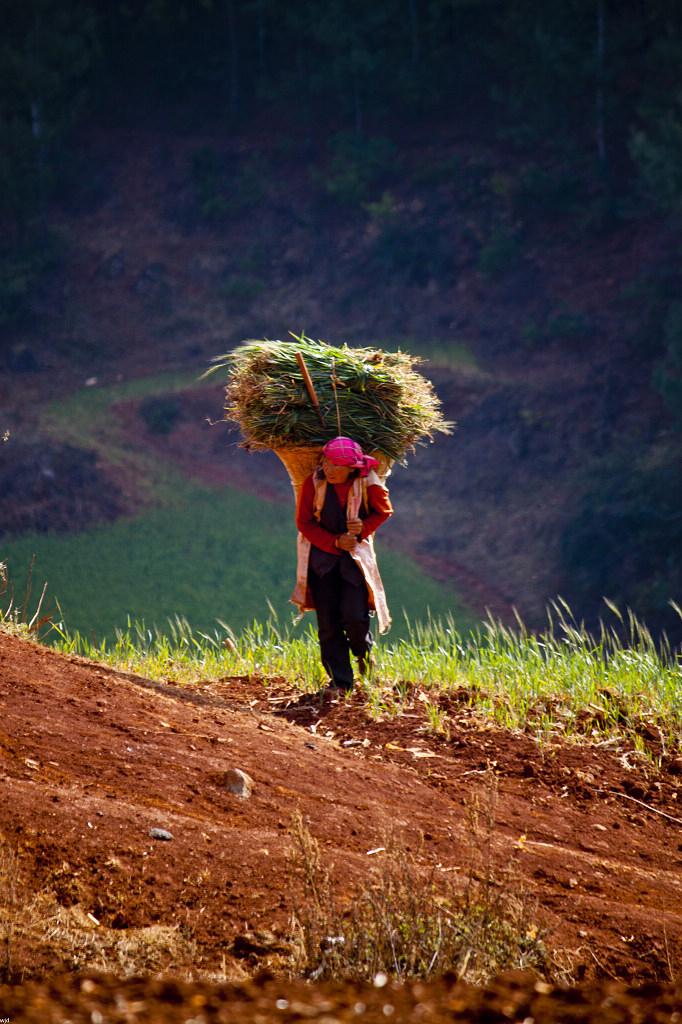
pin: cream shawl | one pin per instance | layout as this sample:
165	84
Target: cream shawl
363	553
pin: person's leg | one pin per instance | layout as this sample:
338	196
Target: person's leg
355	621
334	647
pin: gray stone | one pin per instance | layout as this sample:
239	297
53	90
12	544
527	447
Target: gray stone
160	833
239	783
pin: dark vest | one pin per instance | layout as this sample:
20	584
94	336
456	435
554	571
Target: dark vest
333	518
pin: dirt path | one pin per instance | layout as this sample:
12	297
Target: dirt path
92	759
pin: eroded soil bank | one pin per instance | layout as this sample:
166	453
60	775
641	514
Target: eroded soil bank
92	759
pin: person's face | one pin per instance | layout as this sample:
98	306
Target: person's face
335	474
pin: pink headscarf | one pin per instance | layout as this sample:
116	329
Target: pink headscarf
344	452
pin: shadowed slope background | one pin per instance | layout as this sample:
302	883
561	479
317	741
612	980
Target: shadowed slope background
494	186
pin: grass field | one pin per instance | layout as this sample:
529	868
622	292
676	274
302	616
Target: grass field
563	684
199	554
217	555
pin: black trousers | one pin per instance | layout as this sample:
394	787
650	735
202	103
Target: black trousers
342	610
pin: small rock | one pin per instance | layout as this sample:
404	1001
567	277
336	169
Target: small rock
239	783
160	833
259	943
593	845
634	789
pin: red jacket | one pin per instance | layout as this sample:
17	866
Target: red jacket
380	510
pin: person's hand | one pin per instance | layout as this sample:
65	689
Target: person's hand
354	527
346	542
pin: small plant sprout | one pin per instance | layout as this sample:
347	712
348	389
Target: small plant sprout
437	718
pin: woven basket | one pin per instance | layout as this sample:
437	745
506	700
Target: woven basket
300	462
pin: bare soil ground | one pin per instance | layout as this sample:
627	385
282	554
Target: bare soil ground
92	759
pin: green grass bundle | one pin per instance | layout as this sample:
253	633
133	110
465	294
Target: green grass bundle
374	397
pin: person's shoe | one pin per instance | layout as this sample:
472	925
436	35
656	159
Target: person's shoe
333	692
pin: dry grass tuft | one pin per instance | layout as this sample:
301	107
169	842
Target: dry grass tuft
73	938
9	873
15	617
406	921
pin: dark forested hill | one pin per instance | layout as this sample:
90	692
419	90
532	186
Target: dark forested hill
494	185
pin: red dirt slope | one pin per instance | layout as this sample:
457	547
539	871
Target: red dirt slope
92	759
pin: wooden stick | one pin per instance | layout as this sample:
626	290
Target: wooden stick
336	397
648	807
309	384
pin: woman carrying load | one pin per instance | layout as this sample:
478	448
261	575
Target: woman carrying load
340	506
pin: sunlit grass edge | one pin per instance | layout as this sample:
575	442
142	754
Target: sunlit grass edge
563	683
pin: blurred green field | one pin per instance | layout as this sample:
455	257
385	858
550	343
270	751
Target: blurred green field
216	555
